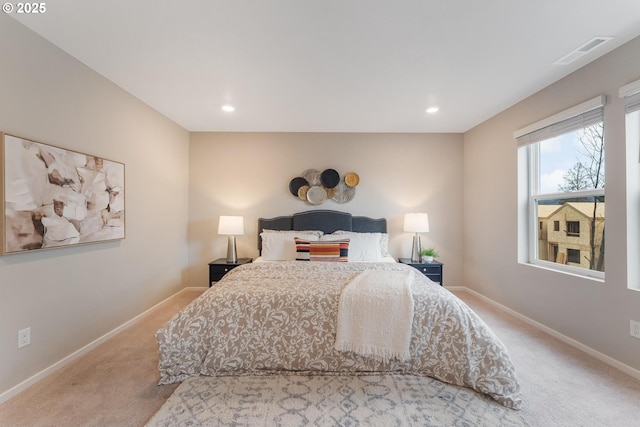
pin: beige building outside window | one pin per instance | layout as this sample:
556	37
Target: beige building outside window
571	234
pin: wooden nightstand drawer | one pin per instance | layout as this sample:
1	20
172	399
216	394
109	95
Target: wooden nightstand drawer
220	267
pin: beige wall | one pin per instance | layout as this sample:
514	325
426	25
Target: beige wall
248	174
594	313
72	296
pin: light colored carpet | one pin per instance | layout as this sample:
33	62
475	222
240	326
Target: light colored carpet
115	384
561	385
292	400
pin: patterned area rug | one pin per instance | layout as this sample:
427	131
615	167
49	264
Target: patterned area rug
297	400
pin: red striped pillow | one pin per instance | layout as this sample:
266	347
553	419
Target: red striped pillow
331	251
328	251
302	249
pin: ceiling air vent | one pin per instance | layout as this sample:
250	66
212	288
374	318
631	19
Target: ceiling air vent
582	50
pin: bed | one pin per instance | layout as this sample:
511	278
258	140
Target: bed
283	316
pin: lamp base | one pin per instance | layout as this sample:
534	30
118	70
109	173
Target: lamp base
232	255
417	247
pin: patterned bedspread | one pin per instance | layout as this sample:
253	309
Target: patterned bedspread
266	318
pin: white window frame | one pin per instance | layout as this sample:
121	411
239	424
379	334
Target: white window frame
630	93
532	175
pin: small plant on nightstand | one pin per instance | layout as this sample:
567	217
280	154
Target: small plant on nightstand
429	254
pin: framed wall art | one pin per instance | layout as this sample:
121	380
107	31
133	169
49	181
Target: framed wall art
53	197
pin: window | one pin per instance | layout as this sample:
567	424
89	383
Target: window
631	95
561	172
573	228
573	256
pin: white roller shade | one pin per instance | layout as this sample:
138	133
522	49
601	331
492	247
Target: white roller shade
631	94
583	115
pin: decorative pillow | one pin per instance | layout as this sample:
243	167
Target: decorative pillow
328	251
362	246
280	246
302	249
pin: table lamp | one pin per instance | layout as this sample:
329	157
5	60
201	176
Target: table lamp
416	223
231	226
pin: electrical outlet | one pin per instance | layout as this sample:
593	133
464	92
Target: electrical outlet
24	337
635	329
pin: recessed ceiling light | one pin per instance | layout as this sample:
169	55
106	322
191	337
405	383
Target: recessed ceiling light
228	108
432	110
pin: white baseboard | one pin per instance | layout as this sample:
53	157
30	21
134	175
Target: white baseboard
577	344
6	395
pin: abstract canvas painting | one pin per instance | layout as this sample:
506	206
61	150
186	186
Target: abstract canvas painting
53	197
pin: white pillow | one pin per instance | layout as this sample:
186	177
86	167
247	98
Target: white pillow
281	246
384	240
317	233
362	246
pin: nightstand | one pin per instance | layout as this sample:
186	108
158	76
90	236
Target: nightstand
433	270
220	267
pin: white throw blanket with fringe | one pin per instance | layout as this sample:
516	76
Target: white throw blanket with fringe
375	315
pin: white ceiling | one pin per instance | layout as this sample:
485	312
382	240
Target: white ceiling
332	65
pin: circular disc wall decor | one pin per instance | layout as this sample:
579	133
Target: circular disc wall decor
344	193
314	187
316	195
312	176
330	178
351	179
302	192
295	184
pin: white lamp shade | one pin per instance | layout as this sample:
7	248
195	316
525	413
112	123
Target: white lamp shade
231	225
416	222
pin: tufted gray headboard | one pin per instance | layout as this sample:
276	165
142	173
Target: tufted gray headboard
326	221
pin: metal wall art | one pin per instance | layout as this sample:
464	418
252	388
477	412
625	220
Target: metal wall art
54	197
315	186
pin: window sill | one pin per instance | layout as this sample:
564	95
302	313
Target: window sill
577	274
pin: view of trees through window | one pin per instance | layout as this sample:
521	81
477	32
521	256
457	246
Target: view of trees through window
570	199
